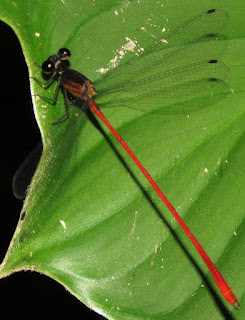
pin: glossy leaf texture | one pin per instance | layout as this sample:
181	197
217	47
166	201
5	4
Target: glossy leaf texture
91	221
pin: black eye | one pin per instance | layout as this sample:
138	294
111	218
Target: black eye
48	66
64	53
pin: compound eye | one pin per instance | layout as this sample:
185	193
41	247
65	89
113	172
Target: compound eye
48	67
64	53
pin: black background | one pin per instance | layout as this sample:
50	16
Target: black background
27	293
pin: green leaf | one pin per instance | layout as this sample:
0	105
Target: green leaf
92	223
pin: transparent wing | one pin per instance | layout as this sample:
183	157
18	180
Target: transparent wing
163	70
185	78
199	29
25	172
174	84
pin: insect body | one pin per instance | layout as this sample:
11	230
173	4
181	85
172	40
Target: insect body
71	80
199	75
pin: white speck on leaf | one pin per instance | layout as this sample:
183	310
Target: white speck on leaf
156	247
129	46
63	224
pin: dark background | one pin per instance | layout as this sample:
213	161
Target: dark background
27	293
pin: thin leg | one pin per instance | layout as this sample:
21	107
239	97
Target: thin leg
67	105
53	101
46	84
38	65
